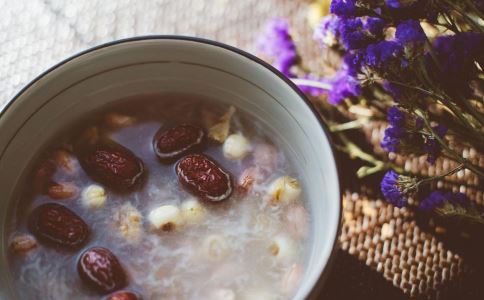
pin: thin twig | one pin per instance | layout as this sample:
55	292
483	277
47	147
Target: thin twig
312	83
354	151
476	169
355	124
476	10
449	104
453	171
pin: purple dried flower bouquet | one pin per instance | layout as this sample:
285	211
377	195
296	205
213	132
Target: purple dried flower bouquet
420	65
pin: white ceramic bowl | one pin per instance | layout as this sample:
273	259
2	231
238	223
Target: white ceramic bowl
157	64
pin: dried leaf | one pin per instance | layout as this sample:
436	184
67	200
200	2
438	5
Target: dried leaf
220	130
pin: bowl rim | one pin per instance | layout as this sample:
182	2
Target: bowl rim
325	271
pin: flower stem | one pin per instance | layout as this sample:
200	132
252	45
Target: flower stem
453	155
464	15
465	136
450	25
474	218
354	151
475	9
430	179
463	213
367	170
446	99
476	114
312	83
424	91
358	123
449	104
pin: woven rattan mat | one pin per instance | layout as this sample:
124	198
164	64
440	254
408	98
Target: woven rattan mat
380	245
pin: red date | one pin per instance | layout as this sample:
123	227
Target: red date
123	295
177	141
57	225
99	268
112	164
204	177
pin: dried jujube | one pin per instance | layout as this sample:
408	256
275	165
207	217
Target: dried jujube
204	177
58	226
99	268
111	164
174	142
23	243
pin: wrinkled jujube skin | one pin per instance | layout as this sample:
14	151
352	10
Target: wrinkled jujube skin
112	165
99	268
172	143
123	295
58	226
204	177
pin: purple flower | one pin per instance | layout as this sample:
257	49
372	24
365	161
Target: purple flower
354	62
396	188
346	8
441	130
448	204
455	56
385	56
403	135
395	117
374	26
353	33
328	31
393	138
394	90
276	42
357	33
431	145
438	199
343	86
394	134
410	33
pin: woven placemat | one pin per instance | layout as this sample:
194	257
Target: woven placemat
35	34
409	253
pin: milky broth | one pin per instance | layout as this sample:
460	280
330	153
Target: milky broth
229	252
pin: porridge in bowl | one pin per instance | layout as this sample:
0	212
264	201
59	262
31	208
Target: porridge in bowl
162	197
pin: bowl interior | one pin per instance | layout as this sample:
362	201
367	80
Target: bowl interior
168	65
